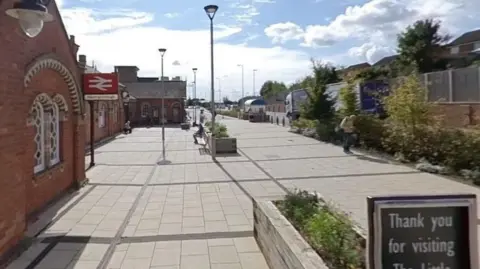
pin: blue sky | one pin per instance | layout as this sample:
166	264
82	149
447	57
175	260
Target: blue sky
277	37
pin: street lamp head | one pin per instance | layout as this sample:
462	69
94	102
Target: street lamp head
31	15
240	65
162	51
194	69
211	10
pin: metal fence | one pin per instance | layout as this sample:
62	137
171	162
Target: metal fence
452	86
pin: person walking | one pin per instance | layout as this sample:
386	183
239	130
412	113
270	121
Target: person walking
200	131
348	129
127	129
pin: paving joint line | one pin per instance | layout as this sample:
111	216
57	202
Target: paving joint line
233	179
285	189
179	183
117	239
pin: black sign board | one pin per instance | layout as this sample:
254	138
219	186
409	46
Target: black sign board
423	232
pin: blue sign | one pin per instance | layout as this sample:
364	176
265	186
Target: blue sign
371	94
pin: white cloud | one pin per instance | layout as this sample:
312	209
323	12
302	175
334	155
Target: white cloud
172	15
378	22
370	52
265	1
282	32
121	38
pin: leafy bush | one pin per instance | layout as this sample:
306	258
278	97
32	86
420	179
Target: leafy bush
220	129
332	235
371	130
299	207
348	99
302	123
230	113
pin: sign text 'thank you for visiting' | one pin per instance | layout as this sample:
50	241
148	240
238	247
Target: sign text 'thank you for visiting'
423	232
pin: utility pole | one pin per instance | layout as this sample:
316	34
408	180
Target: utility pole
194	96
243	80
254	70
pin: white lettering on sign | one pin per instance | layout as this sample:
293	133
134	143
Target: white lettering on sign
100	83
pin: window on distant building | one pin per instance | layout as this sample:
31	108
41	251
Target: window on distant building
454	50
145	110
101	115
476	46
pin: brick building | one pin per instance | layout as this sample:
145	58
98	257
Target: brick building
146	95
109	116
41	116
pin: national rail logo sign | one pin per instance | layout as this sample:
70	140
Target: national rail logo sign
100	86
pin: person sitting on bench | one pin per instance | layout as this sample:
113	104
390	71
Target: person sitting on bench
200	131
127	129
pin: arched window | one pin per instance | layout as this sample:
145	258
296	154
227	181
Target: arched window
101	115
54	134
145	110
39	138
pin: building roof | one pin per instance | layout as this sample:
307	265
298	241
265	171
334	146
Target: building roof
386	60
358	66
153	90
468	37
255	102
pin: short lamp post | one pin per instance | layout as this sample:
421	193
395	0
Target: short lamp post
211	10
31	15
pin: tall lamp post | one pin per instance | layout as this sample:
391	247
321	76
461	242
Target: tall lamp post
254	70
211	10
243	80
162	53
194	96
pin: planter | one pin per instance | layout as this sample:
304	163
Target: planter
281	244
185	126
223	145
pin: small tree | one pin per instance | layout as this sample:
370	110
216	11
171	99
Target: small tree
407	105
348	99
422	44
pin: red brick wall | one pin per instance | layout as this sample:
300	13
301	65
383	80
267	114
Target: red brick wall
458	115
136	118
22	192
114	120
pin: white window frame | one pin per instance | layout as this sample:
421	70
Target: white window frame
55	115
101	116
145	110
41	166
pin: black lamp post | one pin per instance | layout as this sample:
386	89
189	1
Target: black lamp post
31	15
211	10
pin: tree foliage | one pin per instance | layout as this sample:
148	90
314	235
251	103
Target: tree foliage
320	105
348	99
421	44
270	88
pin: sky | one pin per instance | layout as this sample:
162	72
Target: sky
278	38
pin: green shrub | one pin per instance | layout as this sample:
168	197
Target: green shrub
230	113
220	129
371	130
299	207
332	235
348	99
303	123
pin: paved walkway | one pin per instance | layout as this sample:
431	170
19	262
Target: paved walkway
194	213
